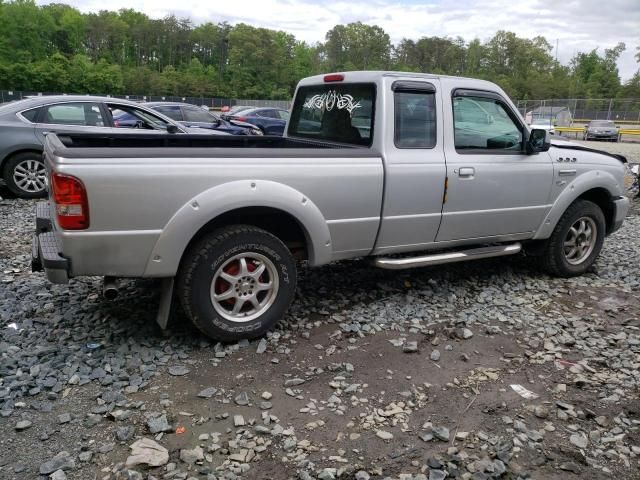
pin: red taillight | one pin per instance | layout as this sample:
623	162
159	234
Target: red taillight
240	119
70	197
334	77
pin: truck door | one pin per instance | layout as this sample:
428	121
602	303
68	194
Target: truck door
494	188
415	169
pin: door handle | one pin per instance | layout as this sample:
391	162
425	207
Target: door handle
466	172
567	172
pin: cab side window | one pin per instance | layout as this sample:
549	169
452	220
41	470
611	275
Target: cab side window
415	119
126	116
268	114
81	114
283	114
31	115
484	123
171	111
194	114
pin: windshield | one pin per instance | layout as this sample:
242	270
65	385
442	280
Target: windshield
341	113
602	123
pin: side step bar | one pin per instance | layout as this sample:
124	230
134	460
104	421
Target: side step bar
448	257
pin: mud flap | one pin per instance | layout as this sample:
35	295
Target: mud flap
164	309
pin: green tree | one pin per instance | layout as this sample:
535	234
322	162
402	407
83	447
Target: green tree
51	75
25	26
357	46
69	27
56	47
597	76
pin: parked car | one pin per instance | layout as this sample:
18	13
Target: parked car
227	111
24	123
424	187
196	117
544	123
601	130
270	120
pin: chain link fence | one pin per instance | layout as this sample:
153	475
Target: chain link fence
211	102
582	110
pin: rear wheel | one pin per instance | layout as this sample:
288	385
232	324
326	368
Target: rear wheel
576	241
237	282
25	175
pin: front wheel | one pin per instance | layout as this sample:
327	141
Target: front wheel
576	241
237	282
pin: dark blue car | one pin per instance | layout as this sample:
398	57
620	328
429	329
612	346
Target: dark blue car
197	117
270	120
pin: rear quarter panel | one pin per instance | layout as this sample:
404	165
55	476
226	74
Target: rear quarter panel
144	211
15	137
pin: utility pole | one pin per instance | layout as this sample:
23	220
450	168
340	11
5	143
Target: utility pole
556	50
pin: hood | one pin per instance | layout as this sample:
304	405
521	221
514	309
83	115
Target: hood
565	144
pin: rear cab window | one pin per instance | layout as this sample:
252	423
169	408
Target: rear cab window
340	113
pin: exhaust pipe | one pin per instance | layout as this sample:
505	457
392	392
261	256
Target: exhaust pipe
110	288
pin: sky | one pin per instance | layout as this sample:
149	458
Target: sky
577	25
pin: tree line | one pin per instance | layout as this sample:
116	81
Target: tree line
56	48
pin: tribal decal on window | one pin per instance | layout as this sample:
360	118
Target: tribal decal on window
331	99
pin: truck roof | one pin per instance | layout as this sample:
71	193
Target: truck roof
374	75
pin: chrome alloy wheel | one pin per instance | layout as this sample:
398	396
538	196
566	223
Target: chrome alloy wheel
580	240
30	176
244	287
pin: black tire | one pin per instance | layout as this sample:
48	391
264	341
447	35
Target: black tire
209	256
554	258
19	160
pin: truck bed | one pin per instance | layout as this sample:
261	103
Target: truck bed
132	145
149	194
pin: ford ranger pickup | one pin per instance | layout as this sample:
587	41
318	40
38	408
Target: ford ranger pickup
410	170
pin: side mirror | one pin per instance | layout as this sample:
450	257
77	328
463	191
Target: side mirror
172	128
538	141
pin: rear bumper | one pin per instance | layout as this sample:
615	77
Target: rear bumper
621	207
45	249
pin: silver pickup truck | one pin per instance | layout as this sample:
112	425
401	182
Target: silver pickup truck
408	169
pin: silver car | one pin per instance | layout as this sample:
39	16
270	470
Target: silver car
601	130
24	124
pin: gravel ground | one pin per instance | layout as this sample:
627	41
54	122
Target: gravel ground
631	150
489	369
